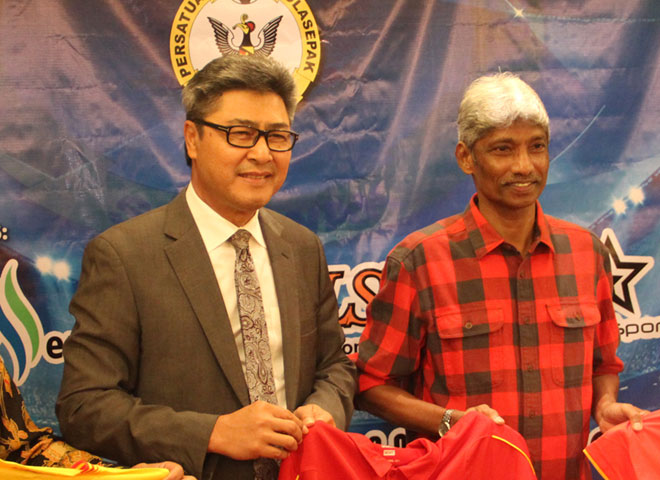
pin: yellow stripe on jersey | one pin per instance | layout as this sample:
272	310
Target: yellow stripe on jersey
518	449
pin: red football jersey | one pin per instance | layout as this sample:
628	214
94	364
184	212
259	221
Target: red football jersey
622	453
475	448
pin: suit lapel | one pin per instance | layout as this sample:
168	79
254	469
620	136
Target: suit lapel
192	266
282	258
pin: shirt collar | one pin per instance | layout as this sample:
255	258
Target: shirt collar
484	237
216	229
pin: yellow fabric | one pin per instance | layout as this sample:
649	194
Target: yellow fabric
17	471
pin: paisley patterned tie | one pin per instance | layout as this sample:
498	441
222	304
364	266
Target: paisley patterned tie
258	361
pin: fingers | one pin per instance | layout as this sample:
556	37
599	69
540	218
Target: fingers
283	437
310	414
257	430
276	430
635	415
285	422
488	411
615	413
176	470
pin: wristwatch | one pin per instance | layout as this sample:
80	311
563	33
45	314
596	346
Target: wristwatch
445	424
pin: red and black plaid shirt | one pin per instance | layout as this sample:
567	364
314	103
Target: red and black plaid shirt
461	319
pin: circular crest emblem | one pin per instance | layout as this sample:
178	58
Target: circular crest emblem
283	29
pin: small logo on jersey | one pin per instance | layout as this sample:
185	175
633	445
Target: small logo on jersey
283	29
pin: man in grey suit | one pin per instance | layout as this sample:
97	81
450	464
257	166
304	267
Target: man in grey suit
156	364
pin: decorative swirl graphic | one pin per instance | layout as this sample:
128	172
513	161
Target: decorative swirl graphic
20	329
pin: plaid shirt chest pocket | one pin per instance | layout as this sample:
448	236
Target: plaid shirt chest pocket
572	332
466	346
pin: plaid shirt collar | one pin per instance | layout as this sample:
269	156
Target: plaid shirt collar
485	239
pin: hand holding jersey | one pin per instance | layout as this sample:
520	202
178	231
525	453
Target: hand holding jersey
311	413
264	430
484	410
615	413
259	430
626	452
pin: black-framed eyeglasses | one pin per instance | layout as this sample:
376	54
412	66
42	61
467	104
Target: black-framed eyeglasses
243	136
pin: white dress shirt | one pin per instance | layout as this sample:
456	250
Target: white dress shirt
216	231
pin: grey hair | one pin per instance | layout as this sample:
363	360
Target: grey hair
237	72
497	101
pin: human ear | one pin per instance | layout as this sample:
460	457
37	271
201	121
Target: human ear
464	158
191	138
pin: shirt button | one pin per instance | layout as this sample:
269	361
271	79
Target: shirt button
527	320
468	325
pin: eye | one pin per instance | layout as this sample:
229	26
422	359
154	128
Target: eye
278	136
242	132
504	148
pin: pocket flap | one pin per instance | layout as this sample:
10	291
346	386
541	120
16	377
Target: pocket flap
468	322
574	314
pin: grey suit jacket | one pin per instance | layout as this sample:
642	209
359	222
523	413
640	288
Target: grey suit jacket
151	361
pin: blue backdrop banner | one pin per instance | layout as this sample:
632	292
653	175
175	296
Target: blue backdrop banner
91	134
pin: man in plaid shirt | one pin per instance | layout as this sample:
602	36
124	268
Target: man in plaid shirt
500	309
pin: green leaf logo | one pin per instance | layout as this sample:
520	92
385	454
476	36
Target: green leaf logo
20	328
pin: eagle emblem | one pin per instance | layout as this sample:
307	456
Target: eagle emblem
265	39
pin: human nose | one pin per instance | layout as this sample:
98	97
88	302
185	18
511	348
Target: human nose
260	151
523	162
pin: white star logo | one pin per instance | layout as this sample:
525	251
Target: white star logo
627	270
517	12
